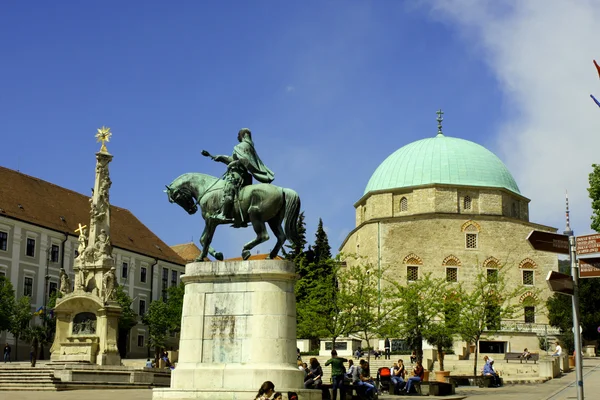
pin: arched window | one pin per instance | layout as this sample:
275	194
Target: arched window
403	204
467	203
529	309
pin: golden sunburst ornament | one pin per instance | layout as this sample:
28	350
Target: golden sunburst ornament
103	136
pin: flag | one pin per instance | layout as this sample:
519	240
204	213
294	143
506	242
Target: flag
595	101
597	68
39	311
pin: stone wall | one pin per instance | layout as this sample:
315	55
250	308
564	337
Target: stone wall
435	226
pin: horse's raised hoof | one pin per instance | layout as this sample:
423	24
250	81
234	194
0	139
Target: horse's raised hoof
219	256
246	254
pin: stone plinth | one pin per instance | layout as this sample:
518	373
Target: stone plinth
95	339
238	329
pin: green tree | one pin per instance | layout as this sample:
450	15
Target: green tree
322	248
421	314
487	302
560	311
7	303
175	306
127	320
20	319
594	193
320	313
48	325
364	302
159	322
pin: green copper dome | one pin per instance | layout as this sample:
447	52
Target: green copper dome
444	160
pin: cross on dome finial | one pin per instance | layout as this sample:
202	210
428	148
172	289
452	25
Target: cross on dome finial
439	121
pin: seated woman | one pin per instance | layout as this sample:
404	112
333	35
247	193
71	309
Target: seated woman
418	373
265	391
526	354
313	380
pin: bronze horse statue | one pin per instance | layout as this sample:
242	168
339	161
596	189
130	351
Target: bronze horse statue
258	204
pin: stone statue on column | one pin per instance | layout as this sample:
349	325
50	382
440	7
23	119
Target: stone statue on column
65	282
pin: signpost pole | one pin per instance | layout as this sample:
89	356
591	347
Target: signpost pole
576	325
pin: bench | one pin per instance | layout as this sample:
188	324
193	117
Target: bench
349	391
518	356
435	388
468	380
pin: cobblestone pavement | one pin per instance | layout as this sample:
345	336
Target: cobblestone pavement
562	388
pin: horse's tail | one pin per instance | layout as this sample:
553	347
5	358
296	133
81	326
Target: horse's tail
292	211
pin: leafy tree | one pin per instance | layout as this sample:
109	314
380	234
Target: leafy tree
320	313
20	319
594	193
366	306
560	310
485	304
297	249
127	320
7	303
175	306
48	325
423	312
322	248
159	322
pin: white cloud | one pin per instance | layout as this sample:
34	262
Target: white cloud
541	53
290	88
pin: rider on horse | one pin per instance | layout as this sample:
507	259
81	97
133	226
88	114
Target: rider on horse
242	165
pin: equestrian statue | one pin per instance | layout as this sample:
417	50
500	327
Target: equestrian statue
233	199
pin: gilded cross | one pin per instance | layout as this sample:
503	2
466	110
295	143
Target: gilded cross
103	136
439	120
80	229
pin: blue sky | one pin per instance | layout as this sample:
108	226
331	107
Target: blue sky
328	88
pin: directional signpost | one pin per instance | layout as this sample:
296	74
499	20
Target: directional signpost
589	267
546	241
588	244
560	283
567	284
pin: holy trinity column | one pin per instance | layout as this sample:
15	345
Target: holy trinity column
95	265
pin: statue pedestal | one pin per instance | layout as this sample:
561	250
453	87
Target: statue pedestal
238	330
86	330
83	348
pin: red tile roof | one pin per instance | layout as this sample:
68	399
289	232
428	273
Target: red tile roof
187	251
32	200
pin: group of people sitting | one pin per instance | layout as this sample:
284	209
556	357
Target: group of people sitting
164	356
401	384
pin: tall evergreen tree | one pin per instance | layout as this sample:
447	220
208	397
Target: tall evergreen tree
322	248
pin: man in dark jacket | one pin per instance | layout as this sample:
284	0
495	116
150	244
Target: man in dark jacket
7	353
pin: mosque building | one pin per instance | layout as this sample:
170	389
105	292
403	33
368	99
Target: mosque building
450	207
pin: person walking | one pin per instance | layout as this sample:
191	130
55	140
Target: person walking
387	348
34	350
7	353
337	374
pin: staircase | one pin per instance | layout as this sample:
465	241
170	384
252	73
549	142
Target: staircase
27	378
